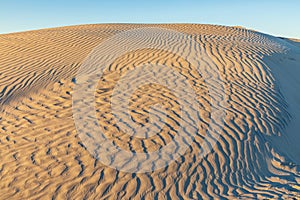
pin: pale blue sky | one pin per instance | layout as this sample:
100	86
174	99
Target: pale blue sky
280	18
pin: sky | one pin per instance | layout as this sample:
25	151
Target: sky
278	18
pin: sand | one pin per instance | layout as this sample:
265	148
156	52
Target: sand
257	155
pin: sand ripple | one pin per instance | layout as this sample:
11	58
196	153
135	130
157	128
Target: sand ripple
42	156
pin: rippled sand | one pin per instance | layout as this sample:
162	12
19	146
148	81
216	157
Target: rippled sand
257	155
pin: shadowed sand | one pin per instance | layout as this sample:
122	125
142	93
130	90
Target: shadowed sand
257	155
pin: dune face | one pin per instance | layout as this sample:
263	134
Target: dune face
255	157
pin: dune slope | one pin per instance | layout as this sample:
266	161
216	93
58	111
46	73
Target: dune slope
256	156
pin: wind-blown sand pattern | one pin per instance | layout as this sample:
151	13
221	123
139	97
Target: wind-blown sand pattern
256	156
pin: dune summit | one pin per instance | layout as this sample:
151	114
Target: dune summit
256	155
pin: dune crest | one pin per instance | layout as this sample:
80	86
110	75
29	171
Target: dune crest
256	156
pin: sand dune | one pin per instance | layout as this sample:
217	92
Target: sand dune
257	155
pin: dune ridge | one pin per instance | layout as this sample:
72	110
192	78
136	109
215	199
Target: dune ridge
257	155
